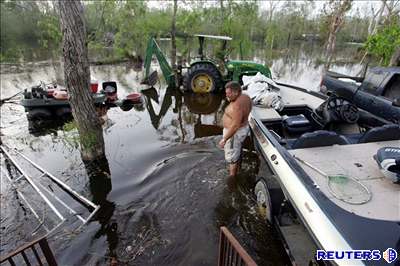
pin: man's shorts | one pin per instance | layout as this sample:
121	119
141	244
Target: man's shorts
233	146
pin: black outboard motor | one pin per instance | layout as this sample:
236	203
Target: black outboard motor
110	89
388	159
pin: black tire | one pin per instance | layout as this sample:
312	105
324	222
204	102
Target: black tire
63	112
39	116
209	75
126	105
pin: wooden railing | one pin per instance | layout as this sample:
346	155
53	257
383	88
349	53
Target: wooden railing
231	252
29	251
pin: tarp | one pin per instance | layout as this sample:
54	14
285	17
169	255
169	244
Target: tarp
263	91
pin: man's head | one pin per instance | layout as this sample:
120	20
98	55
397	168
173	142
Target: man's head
232	90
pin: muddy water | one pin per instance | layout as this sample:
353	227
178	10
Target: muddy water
163	186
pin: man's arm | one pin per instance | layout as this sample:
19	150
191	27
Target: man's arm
235	125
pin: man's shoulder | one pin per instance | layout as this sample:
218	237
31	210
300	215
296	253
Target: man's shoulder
246	98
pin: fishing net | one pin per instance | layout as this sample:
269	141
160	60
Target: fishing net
343	187
348	189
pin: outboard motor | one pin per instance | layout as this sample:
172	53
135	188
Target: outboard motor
388	159
110	89
38	91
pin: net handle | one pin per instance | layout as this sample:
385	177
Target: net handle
311	166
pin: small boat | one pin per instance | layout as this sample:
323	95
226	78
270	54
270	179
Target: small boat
50	101
324	184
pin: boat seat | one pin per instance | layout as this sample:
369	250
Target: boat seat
383	133
319	138
296	124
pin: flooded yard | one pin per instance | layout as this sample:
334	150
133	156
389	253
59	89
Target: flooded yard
163	187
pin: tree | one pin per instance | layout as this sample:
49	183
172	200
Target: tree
395	60
376	18
338	11
173	42
77	79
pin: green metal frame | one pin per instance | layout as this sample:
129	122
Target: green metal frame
153	48
238	68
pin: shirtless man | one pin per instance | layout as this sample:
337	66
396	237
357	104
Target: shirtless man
235	122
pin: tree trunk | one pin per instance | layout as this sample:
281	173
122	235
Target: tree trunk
173	42
395	59
272	5
337	21
376	19
77	79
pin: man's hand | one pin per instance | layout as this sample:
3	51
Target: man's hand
222	143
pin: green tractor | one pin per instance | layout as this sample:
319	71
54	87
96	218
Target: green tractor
203	74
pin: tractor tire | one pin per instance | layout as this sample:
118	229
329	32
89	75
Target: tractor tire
202	78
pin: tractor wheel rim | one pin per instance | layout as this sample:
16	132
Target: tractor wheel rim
202	83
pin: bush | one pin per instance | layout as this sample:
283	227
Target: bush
384	43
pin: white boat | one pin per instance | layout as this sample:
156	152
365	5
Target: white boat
312	136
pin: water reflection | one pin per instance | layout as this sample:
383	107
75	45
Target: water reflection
100	186
303	62
204	104
190	109
45	127
151	95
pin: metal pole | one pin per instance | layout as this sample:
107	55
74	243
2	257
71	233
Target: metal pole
64	186
34	185
24	199
90	216
62	203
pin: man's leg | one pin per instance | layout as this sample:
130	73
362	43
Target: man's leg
233	169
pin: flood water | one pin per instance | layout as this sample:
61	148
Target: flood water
163	187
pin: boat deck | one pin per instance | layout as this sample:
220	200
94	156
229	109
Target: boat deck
357	161
292	98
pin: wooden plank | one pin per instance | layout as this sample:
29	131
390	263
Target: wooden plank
25	258
48	254
20	249
37	255
236	247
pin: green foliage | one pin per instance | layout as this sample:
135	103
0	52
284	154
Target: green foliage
69	126
49	31
87	140
383	43
118	29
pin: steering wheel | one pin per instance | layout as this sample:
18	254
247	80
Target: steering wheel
340	109
333	106
349	113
